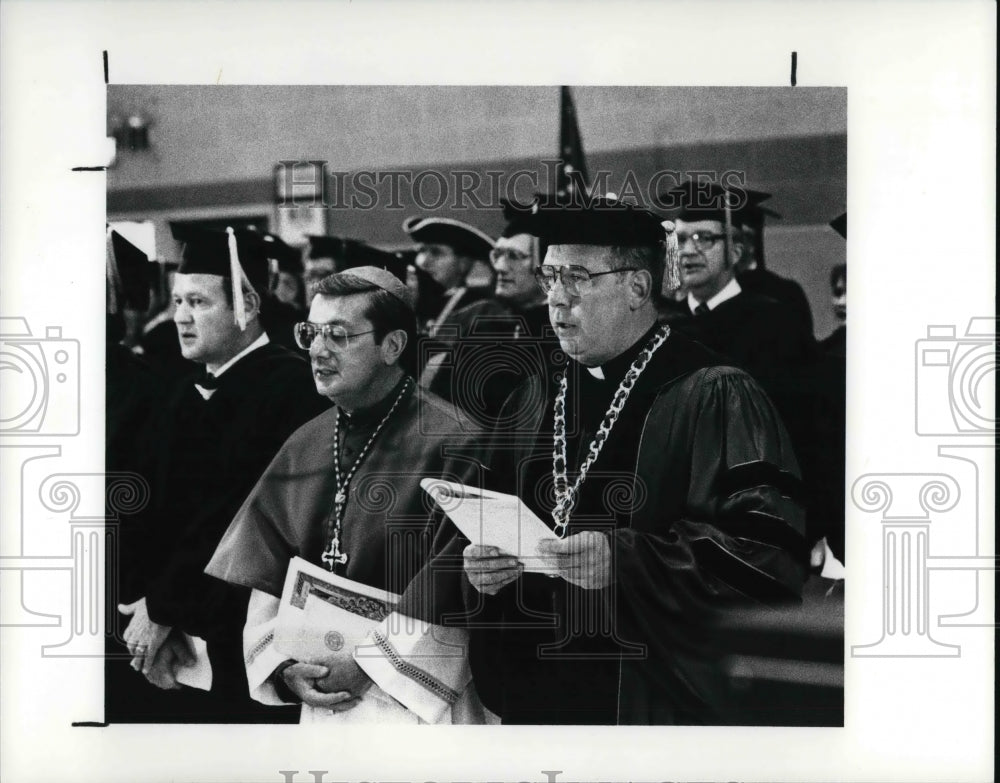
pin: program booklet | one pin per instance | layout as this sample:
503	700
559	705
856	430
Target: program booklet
494	519
322	614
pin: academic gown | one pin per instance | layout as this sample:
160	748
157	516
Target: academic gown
484	351
210	454
764	337
133	399
389	534
827	516
162	350
766	283
697	489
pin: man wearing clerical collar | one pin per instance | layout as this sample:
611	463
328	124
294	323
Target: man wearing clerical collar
670	485
344	493
218	432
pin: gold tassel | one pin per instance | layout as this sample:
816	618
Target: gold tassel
236	274
672	258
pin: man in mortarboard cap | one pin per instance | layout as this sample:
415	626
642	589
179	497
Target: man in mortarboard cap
448	250
278	317
287	285
320	500
325	253
752	273
487	348
219	431
708	513
756	332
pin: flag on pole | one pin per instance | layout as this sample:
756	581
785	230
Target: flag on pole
571	173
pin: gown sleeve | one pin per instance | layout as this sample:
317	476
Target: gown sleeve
739	536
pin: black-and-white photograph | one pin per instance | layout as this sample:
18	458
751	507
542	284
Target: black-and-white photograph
532	386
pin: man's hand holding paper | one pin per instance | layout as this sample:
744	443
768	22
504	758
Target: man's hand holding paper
488	569
499	525
583	559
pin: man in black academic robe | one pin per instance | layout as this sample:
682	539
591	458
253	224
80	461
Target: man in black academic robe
484	350
692	505
752	331
217	434
752	272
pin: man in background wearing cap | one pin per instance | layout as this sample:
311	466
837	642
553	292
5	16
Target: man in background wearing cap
344	493
752	272
757	333
219	431
284	264
449	249
754	332
488	347
669	481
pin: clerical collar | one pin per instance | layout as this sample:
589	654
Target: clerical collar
613	370
362	417
729	290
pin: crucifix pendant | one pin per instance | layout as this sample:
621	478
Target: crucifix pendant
333	556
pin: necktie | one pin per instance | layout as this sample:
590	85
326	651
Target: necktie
702	309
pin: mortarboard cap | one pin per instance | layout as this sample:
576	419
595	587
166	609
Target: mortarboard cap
603	221
234	253
693	201
752	215
839	224
127	274
464	239
518	217
350	253
284	256
385	280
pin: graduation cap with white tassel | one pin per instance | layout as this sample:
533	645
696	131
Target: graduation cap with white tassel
234	253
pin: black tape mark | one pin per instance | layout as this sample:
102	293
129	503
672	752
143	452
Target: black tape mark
89	168
795	67
105	66
88	724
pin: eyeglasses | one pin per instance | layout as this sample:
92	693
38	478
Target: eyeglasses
703	240
573	278
509	255
334	335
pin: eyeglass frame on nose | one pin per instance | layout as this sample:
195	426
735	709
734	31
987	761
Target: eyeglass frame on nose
698	238
559	271
330	340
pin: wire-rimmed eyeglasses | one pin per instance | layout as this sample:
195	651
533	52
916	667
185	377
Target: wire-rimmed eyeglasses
573	278
334	335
